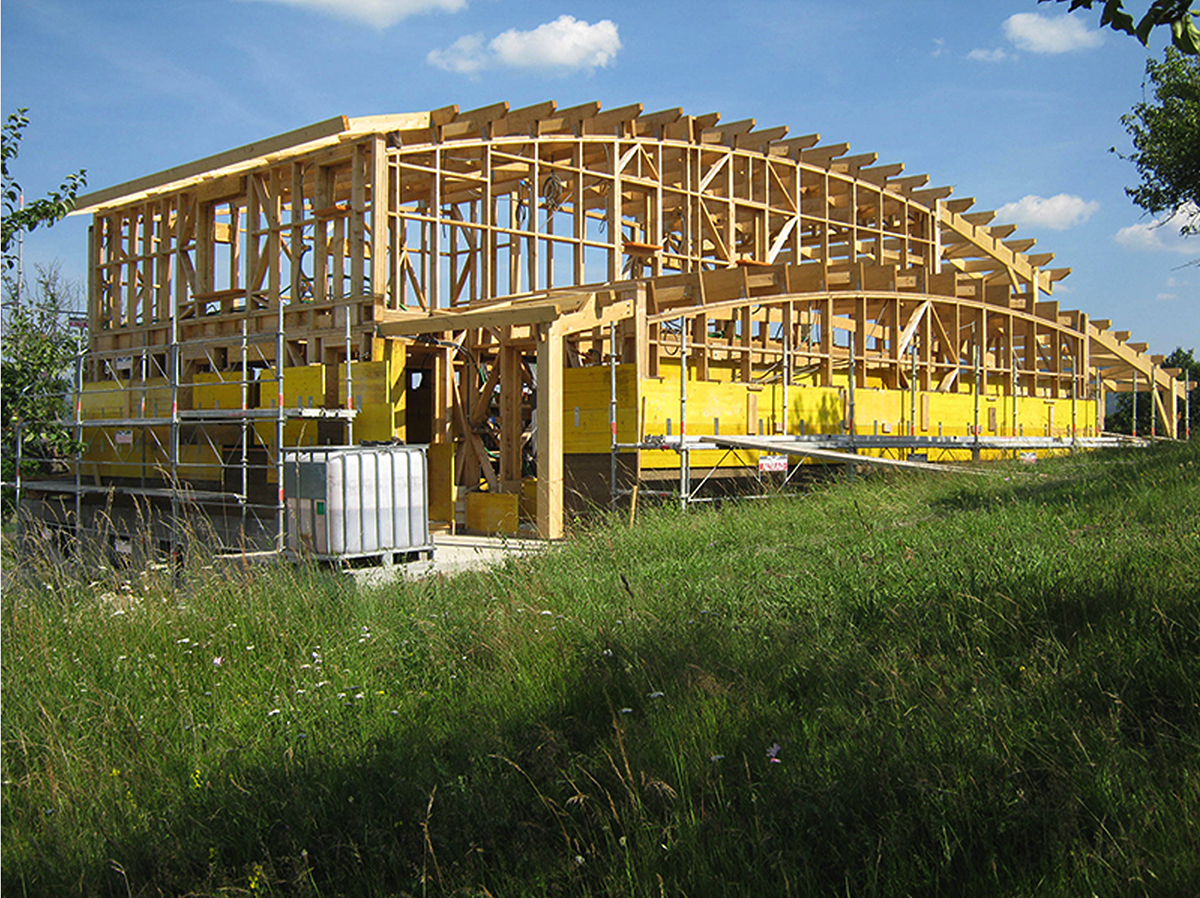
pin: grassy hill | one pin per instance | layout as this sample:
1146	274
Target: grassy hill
984	685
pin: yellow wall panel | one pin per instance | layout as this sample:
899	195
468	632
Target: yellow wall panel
492	512
440	457
371	387
220	390
103	399
586	394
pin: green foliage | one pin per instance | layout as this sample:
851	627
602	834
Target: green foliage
20	217
35	371
1121	420
1175	14
976	685
1166	139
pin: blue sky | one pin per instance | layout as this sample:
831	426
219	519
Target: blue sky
1009	101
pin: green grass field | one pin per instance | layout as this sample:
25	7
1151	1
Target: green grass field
967	685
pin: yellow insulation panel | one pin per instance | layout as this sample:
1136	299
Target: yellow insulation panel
372	388
303	387
220	390
586	395
738	408
143	452
440	461
492	512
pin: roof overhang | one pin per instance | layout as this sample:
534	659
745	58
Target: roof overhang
269	150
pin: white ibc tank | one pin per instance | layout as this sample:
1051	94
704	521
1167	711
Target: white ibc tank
347	501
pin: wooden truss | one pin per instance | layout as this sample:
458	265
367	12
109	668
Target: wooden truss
498	246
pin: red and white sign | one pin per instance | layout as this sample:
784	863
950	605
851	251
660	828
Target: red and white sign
772	463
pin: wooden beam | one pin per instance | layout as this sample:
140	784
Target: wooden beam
444	320
549	431
281	146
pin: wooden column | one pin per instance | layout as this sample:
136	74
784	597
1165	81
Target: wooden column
254	245
296	233
549	431
578	213
357	224
826	345
510	418
641	334
615	214
443	395
380	213
859	373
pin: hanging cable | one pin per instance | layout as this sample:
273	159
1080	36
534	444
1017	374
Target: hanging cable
552	191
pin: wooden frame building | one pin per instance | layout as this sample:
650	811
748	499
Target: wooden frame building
527	290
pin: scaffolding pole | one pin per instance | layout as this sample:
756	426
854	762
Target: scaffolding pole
912	412
612	412
685	473
978	387
280	348
78	447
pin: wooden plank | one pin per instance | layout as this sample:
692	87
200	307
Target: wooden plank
780	239
825	155
569	119
907	184
608	121
523	120
910	328
852	164
652	122
930	195
715	233
445	320
792	145
181	176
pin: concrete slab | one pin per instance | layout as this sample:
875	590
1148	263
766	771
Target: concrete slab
452	554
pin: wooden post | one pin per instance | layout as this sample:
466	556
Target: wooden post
1187	407
357	224
1133	420
510	418
549	431
381	202
443	395
1153	402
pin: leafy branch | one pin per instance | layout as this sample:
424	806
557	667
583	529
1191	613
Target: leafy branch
20	216
1175	14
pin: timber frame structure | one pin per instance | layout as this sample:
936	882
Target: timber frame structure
535	292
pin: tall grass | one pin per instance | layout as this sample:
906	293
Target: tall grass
985	685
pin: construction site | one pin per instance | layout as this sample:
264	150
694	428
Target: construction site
551	310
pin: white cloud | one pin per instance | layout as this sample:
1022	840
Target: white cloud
1050	34
465	56
997	55
564	44
380	13
939	46
1161	236
1057	212
1166	297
